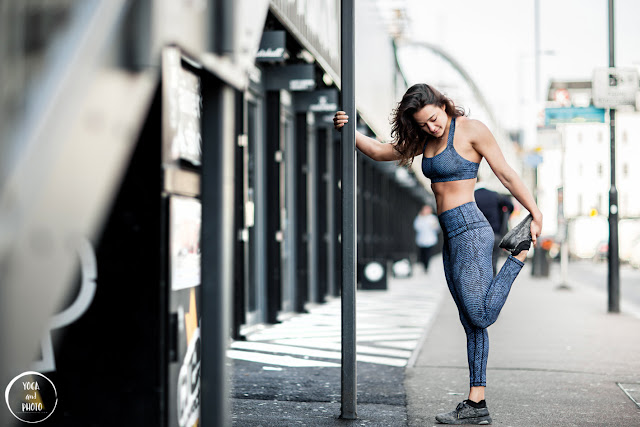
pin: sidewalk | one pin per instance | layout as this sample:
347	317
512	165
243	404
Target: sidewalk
289	374
557	359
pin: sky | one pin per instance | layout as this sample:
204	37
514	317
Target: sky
494	41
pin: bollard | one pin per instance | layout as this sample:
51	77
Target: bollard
540	261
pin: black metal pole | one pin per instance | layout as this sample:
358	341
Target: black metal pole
217	241
614	260
536	261
347	78
536	53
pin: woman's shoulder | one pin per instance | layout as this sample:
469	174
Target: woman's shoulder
474	130
466	124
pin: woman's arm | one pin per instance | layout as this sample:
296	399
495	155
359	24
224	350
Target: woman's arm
484	143
368	146
375	149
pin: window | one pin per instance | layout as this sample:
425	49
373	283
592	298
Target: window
579	204
599	206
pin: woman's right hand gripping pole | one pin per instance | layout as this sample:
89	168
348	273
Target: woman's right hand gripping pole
340	119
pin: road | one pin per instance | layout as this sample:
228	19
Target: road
595	274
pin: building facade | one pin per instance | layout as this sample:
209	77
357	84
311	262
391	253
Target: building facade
576	150
180	163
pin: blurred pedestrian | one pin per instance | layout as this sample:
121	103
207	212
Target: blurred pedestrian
427	228
427	123
496	208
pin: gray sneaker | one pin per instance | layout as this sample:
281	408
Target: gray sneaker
518	239
465	414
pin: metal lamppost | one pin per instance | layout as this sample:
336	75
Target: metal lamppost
614	261
348	185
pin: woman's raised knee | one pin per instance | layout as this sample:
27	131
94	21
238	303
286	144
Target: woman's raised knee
480	318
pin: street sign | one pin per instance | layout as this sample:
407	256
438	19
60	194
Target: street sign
533	160
558	115
273	47
316	101
294	77
614	87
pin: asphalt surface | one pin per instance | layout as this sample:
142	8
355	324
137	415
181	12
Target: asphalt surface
557	358
271	388
595	274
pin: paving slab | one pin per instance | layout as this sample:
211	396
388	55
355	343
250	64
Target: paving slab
556	359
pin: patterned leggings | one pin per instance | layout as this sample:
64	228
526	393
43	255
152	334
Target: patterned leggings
468	245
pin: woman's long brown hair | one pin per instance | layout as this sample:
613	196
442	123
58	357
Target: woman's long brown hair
408	137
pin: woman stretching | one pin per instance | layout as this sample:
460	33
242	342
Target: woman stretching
428	123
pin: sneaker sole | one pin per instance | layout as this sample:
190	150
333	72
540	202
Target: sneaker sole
522	246
523	225
479	420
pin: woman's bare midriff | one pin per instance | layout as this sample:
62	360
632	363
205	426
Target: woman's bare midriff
451	194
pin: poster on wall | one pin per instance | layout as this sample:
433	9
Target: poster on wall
185	375
184	242
182	108
185	219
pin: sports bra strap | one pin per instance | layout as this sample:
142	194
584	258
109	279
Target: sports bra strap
452	130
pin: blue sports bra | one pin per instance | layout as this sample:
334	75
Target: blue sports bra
448	165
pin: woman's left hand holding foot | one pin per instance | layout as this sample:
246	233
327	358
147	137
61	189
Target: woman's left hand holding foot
536	228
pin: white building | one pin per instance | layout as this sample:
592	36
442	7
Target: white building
577	157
